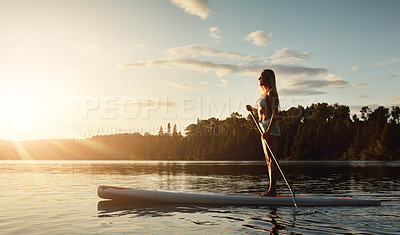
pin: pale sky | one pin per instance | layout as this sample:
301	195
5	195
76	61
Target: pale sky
74	68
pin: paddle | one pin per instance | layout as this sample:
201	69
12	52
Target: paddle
275	160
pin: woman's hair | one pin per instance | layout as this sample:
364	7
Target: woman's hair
269	83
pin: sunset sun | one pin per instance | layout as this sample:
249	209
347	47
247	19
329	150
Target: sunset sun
21	109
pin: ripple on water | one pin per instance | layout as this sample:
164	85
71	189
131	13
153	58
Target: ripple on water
60	198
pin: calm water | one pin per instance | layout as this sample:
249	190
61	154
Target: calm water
59	197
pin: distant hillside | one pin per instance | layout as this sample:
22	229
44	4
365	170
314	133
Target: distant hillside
317	132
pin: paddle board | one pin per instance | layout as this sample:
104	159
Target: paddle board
175	197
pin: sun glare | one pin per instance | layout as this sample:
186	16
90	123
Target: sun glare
16	111
20	110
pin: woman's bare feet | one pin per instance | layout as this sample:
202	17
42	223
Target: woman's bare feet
267	194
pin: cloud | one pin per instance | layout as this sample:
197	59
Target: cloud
196	86
188	64
194	7
188	57
296	92
288	56
294	78
336	81
393	76
357	108
196	51
363	96
141	45
297	71
258	38
393	98
87	50
309	83
213	32
330	80
359	85
354	68
224	83
386	62
316	83
221	69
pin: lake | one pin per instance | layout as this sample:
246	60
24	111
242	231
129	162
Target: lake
60	197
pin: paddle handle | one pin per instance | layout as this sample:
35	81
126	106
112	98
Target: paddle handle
275	160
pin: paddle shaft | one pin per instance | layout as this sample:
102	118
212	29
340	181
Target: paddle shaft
275	160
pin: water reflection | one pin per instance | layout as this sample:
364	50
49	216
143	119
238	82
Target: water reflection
111	208
315	178
318	178
63	193
267	222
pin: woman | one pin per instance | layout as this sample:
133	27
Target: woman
267	109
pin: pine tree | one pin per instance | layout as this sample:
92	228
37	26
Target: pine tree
161	132
169	129
175	131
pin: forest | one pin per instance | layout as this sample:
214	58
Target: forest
317	132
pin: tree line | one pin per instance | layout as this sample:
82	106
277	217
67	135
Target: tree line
317	132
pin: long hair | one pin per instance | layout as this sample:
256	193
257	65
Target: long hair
269	84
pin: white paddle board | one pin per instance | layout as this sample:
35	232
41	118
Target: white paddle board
175	197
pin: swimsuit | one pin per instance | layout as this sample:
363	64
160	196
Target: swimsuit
276	131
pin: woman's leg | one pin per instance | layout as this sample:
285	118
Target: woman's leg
272	168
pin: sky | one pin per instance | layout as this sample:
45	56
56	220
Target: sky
75	69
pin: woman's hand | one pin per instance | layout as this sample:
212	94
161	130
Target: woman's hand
265	135
249	108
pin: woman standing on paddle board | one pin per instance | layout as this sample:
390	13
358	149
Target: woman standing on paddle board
267	109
